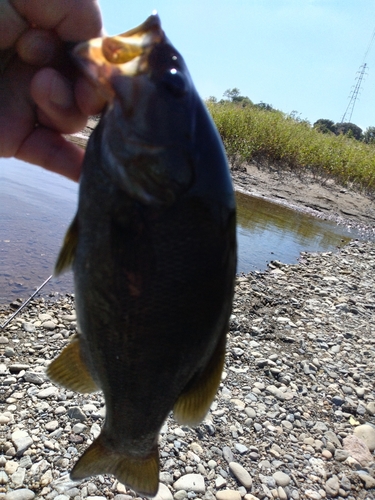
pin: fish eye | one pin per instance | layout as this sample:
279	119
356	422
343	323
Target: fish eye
175	82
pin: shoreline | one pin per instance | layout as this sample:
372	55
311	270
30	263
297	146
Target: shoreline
295	409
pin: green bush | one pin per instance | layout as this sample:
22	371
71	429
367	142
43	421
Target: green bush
250	133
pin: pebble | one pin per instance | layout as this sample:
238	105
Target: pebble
241	474
21	494
21	440
190	482
296	391
228	495
358	450
281	478
47	392
367	434
164	493
332	486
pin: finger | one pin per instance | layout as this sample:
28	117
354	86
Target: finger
51	151
11	25
73	20
37	47
17	117
54	96
89	97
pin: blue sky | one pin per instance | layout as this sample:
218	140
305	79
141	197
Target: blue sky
297	55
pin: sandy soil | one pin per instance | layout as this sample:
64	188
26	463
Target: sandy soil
320	197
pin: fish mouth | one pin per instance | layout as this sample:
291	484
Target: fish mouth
125	54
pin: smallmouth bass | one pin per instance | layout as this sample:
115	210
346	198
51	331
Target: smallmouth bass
153	251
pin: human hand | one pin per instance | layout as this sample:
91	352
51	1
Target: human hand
42	96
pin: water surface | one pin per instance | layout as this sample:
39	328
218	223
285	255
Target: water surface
37	206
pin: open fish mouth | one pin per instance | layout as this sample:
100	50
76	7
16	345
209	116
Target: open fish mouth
125	54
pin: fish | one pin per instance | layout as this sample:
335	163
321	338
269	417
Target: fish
153	252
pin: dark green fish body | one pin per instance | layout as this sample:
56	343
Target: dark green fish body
154	258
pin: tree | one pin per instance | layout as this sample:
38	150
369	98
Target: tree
349	129
234	95
325	126
212	98
369	135
265	106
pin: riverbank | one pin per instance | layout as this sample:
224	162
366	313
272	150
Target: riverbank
321	197
294	416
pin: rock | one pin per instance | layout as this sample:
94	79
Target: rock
332	486
163	493
241	448
367	434
241	474
34	378
358	449
76	413
190	482
21	494
368	480
371	408
341	455
227	454
49	325
228	495
47	392
281	478
22	441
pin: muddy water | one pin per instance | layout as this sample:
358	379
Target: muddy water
269	231
37	206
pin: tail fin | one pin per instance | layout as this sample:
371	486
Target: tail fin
139	473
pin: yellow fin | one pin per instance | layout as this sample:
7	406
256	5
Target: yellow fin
68	250
69	370
139	473
194	403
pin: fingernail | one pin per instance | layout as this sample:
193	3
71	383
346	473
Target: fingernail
61	93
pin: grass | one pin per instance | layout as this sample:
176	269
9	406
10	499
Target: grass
272	138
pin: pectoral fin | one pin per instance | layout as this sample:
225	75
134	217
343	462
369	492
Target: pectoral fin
70	371
194	403
68	250
139	473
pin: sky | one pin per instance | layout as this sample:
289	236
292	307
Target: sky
297	55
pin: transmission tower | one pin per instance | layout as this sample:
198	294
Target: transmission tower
354	94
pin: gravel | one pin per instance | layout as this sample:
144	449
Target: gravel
294	417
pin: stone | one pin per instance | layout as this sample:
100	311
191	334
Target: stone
332	486
341	455
227	454
22	441
190	482
367	434
241	448
179	495
358	449
163	493
47	392
34	378
281	478
21	494
76	413
228	495
241	474
371	408
368	480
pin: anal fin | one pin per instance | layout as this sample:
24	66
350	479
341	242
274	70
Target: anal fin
70	371
68	249
194	403
139	473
